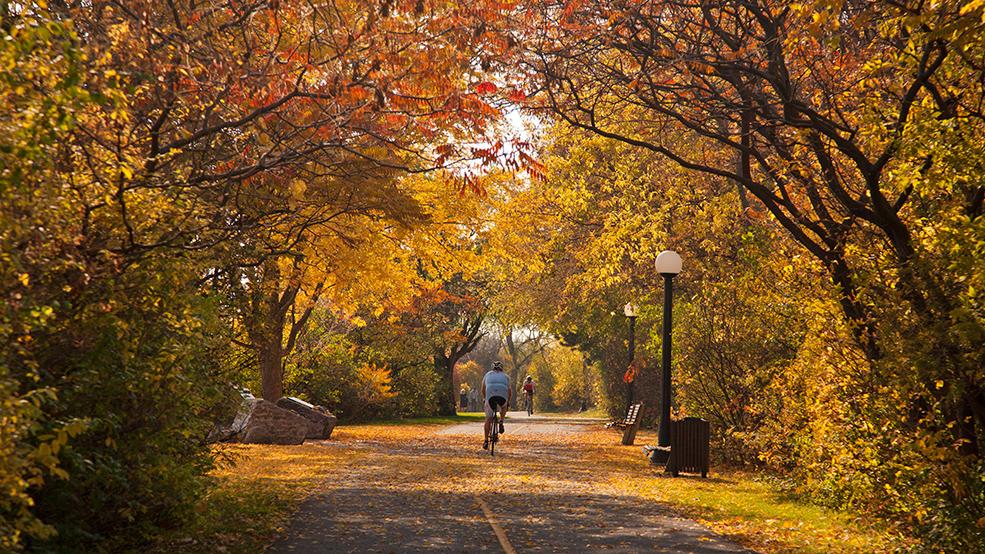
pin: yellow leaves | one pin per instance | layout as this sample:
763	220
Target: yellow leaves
357	321
375	384
297	188
973	5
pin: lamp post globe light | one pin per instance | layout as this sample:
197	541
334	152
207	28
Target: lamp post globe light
630	310
668	265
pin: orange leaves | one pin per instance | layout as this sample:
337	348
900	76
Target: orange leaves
570	7
754	213
395	120
445	151
471	184
485	88
634	369
534	167
357	93
701	67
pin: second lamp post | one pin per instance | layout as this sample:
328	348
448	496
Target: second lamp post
630	311
668	265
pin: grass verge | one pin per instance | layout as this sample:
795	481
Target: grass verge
748	509
591	413
466	417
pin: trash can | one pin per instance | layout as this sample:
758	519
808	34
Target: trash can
689	446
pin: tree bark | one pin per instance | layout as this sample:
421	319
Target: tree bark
446	358
514	372
445	367
271	371
266	326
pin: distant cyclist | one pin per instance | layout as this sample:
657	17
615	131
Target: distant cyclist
497	391
528	394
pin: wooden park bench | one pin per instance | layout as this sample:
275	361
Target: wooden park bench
629	424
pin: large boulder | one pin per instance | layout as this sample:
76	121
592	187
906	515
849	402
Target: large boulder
321	422
262	422
230	415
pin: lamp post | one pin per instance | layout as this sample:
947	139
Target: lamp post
630	311
668	265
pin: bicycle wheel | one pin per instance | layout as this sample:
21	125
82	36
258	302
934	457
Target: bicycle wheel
493	438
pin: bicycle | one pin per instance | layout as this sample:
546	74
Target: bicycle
530	403
494	434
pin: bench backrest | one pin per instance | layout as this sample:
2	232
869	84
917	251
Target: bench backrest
631	424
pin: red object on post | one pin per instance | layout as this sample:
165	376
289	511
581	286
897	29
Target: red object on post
630	374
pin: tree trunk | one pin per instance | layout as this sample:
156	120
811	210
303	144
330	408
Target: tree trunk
271	366
266	328
514	375
268	339
960	394
861	321
445	368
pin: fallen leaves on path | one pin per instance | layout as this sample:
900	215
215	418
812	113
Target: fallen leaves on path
584	482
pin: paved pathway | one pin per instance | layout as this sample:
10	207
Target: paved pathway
441	493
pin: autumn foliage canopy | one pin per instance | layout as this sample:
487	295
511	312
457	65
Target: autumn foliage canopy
346	200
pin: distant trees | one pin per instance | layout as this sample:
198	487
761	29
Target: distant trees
520	345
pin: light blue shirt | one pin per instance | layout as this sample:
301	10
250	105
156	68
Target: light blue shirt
497	384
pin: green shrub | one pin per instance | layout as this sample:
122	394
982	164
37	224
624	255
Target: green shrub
349	375
416	389
140	372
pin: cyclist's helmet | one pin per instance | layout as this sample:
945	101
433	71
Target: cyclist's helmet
529	378
498	366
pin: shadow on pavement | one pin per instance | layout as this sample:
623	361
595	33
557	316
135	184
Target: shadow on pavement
370	519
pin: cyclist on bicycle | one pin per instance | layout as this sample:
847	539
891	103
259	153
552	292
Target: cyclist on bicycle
497	391
528	392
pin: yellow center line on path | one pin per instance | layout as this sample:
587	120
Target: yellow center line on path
500	534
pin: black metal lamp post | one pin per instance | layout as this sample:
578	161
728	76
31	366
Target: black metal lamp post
630	311
668	265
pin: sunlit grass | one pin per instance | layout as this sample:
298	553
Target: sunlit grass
736	504
591	413
749	510
436	420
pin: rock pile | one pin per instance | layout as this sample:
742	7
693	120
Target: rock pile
289	421
321	422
